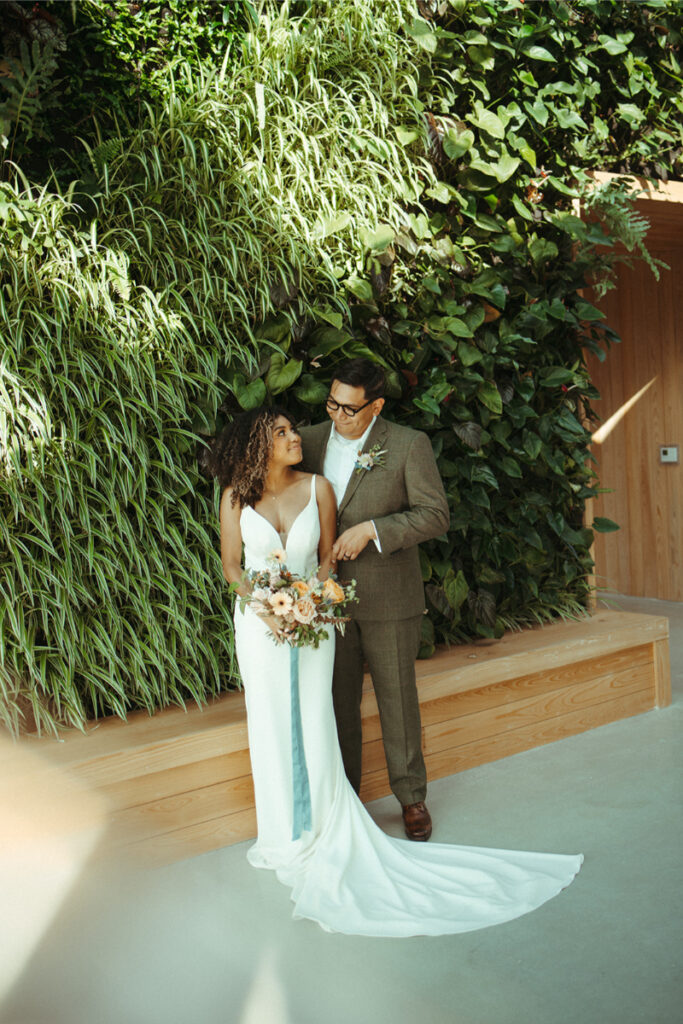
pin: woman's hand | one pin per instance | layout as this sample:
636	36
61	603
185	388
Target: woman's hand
277	626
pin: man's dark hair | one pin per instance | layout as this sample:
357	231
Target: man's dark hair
362	373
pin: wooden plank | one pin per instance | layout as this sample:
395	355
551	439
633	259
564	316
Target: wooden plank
140	732
171	781
156	757
662	673
536	734
195	839
184	809
494	748
498	694
482	715
539	708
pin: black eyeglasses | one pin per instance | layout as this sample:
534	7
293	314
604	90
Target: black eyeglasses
348	410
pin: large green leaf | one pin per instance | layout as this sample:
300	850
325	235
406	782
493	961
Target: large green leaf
282	373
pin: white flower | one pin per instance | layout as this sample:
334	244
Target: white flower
367	460
280	602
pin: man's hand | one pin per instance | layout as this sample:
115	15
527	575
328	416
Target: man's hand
352	541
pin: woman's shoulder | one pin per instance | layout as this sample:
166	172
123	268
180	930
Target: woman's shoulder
323	487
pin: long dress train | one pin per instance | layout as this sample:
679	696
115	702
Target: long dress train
345	873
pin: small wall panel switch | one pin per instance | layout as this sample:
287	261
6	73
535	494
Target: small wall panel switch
668	453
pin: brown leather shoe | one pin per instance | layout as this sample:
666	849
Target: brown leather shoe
418	824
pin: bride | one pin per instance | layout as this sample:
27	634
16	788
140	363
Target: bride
344	872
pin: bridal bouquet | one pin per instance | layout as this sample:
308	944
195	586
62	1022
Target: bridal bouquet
305	605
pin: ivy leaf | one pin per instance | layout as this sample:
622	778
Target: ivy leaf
361	289
378	240
456	589
469	354
483	474
603	525
585	311
481	167
613	46
423	35
406	135
427	403
532	444
560	186
631	113
325	340
540	53
470	433
331	225
489	395
567	118
330	316
456	144
531	536
528	79
542	250
538	111
487	574
479	497
521	209
509	466
438	598
489	122
458	328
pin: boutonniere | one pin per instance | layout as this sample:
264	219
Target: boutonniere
368	460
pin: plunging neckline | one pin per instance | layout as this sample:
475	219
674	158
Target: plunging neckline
294	521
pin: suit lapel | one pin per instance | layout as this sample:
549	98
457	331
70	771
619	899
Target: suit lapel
376	436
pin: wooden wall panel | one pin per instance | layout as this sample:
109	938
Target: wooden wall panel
645	558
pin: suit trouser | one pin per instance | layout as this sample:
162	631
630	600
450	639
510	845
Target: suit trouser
390	649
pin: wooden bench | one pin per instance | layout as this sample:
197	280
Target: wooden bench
179	783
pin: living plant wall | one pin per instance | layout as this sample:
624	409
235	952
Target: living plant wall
310	182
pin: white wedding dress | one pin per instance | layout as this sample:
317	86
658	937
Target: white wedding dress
345	873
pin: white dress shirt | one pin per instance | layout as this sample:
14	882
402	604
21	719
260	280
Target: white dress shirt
341	455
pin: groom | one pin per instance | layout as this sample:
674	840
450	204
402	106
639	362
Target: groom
389	499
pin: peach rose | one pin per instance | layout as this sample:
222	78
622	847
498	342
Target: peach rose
304	610
301	587
332	591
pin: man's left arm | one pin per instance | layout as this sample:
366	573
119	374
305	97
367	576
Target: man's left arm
427	514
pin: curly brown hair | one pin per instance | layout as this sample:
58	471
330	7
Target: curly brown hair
239	454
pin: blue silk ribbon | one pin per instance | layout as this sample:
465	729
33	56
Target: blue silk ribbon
301	790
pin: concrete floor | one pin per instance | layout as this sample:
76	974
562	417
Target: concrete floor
210	940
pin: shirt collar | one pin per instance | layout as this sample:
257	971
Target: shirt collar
352	442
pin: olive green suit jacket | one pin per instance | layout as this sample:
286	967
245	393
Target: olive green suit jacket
405	498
